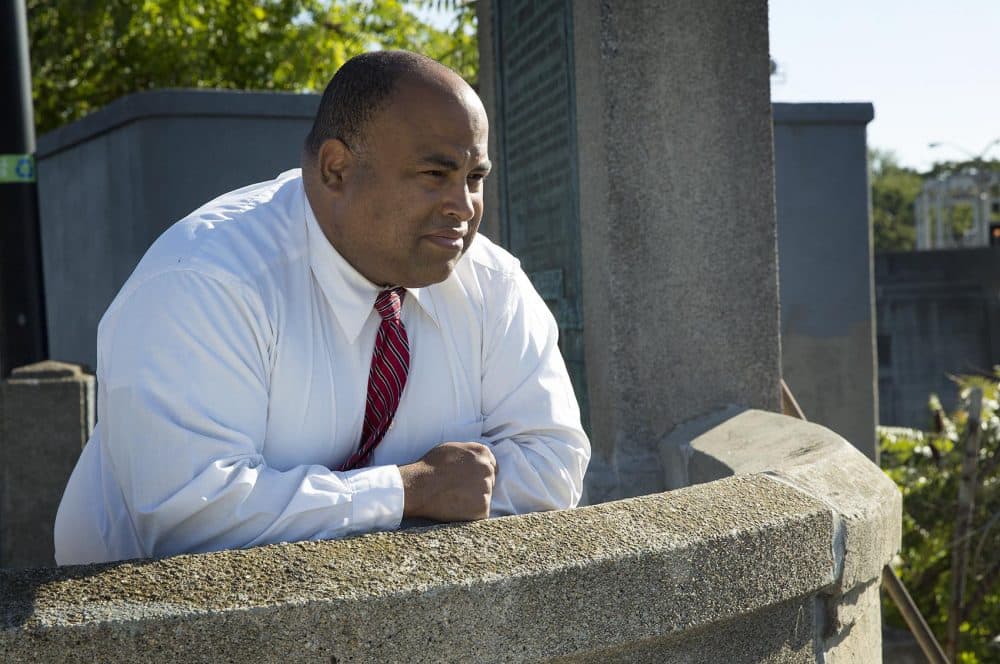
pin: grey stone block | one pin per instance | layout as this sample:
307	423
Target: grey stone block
825	264
46	416
784	633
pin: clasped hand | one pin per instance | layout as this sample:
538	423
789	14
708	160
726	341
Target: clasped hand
452	482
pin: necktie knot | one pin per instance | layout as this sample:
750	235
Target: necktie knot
389	303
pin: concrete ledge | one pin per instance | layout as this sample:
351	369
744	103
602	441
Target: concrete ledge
48	370
866	505
823	113
592	580
735	570
178	103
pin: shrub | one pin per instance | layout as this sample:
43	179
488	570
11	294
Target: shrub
927	468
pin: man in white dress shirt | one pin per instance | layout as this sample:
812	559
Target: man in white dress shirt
233	365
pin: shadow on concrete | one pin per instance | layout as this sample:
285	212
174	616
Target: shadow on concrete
19	587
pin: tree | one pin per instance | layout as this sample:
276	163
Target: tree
894	190
86	53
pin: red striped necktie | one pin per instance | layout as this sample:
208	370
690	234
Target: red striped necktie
387	377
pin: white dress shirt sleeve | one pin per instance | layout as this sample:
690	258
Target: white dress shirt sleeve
186	361
532	420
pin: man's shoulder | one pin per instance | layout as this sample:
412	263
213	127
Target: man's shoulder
240	235
485	256
490	276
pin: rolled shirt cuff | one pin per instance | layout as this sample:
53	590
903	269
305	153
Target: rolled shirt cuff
378	497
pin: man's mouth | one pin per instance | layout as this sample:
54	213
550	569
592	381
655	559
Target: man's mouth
447	238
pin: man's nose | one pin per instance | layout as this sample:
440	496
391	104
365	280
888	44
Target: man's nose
460	203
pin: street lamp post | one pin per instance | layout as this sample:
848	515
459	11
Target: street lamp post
22	311
980	156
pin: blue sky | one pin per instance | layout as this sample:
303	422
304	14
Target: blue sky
931	68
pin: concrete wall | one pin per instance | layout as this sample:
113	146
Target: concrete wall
938	315
110	183
46	415
825	266
778	563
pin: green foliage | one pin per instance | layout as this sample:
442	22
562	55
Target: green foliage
960	219
894	189
927	467
86	53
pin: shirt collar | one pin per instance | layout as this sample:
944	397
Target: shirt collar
350	295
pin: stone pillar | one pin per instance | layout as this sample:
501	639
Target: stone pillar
920	213
658	205
825	259
46	416
677	223
939	218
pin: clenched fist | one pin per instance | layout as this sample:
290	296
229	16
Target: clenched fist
452	482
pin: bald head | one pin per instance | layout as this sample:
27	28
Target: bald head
365	84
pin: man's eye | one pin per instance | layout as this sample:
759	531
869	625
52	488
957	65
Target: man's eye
434	173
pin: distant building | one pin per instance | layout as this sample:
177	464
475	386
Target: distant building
938	316
957	209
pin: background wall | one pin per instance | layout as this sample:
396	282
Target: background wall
938	315
825	265
109	184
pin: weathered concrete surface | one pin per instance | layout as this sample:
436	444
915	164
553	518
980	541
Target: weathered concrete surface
866	505
853	626
784	633
772	556
825	265
631	577
46	415
677	219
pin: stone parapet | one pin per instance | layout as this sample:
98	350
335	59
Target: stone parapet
741	569
865	505
678	233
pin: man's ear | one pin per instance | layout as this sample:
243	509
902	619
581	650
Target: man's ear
335	161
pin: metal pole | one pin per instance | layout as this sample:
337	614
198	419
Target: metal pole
918	626
22	310
939	214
